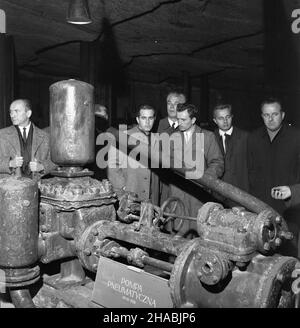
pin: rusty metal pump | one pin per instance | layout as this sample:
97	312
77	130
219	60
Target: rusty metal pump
232	262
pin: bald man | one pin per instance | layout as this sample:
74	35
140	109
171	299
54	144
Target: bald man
23	145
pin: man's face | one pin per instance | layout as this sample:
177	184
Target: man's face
172	102
19	115
223	119
272	116
101	111
146	120
185	122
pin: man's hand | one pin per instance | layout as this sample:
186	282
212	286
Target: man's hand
16	162
35	166
281	192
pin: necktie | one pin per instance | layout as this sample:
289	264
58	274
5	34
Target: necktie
173	126
24	134
226	139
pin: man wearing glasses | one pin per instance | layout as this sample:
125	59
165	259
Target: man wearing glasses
233	144
273	155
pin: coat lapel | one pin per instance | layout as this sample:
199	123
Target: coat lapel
37	139
230	143
219	141
166	124
13	139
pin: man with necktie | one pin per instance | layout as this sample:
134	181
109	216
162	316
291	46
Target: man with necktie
168	125
23	145
187	137
233	143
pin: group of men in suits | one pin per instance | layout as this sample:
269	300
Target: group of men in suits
265	163
254	162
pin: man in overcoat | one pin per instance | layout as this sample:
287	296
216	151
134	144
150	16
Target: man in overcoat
23	146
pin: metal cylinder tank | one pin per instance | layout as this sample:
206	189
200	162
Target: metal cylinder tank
72	123
18	222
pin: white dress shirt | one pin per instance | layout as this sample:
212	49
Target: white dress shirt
187	134
222	134
27	129
172	123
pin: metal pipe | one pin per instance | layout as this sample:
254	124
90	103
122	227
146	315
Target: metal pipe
21	298
166	266
222	188
183	217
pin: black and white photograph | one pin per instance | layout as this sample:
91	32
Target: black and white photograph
149	158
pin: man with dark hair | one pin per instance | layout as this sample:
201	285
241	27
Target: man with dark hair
233	143
125	172
194	141
213	161
23	145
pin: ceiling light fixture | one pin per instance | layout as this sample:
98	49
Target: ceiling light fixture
78	12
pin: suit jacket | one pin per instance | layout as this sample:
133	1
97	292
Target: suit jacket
10	147
193	196
291	215
213	158
236	169
295	197
165	175
164	126
125	171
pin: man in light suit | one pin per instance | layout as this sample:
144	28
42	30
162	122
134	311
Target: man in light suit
189	133
127	173
23	145
233	143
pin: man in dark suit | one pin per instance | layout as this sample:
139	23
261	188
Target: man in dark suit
23	145
168	125
233	143
273	154
274	160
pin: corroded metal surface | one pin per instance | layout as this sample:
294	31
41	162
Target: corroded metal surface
67	208
78	224
19	222
72	123
21	298
146	237
60	229
19	236
238	232
75	190
265	283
